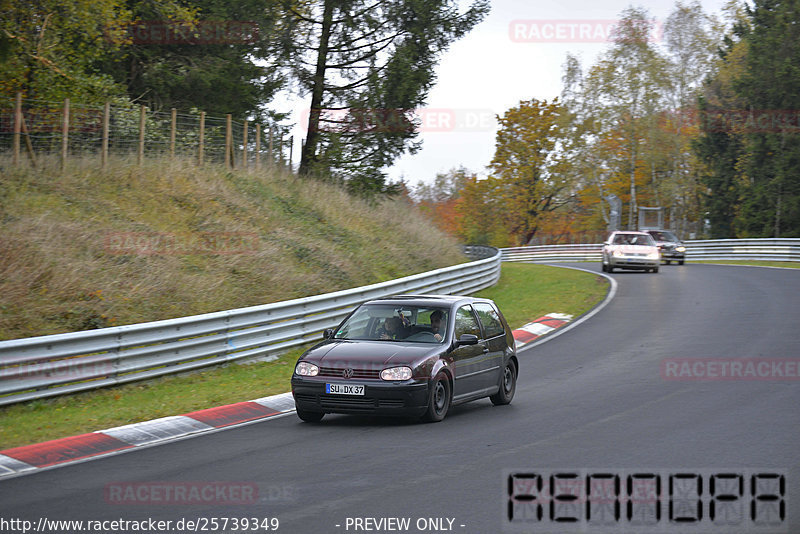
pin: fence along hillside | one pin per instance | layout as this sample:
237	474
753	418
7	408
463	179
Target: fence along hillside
33	129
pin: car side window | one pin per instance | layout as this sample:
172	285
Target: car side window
466	323
492	325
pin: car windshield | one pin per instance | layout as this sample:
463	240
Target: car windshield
664	236
391	322
634	239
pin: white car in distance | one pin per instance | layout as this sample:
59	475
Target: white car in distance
630	250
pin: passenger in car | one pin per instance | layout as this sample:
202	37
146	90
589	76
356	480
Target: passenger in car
392	329
436	324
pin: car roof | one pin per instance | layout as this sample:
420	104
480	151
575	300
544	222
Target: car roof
637	232
427	300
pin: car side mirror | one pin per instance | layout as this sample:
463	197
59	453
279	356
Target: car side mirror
467	339
327	333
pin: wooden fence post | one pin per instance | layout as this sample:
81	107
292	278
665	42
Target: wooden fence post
17	129
65	134
270	161
202	134
291	148
140	156
228	142
258	146
28	143
172	133
104	149
244	146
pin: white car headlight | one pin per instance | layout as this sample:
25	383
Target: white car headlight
680	249
306	369
396	373
618	254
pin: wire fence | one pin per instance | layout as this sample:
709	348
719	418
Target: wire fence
31	129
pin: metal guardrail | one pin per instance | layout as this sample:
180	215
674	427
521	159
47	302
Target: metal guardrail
768	249
552	253
46	366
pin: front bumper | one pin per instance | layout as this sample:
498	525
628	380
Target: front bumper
408	398
633	262
672	255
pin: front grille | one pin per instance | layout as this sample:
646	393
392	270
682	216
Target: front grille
391	403
305	397
357	373
335	401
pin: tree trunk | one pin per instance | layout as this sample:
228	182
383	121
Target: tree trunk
309	153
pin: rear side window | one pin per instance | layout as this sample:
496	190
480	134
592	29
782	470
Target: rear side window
490	319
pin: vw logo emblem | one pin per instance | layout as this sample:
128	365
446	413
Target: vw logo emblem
348	373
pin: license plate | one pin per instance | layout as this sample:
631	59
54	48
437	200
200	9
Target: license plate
344	389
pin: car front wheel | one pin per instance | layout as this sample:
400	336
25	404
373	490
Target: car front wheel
439	402
508	385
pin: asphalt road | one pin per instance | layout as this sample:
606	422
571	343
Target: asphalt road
593	398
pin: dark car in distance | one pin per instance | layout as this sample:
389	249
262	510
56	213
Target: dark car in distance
669	246
409	355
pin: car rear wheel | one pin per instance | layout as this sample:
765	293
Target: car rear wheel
310	417
508	385
439	402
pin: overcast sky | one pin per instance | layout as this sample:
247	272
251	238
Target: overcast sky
515	54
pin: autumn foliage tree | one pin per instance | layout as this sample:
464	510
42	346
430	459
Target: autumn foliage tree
532	176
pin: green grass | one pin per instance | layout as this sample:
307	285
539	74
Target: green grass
525	292
788	264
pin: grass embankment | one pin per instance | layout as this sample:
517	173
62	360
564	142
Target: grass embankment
90	248
525	292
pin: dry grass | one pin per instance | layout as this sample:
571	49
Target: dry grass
279	237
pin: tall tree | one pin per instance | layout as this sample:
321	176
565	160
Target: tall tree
212	55
49	47
528	165
366	64
769	85
629	83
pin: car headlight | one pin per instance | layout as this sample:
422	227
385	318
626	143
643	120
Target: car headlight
306	369
396	373
654	255
618	254
680	249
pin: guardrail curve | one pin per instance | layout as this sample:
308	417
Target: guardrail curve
46	366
